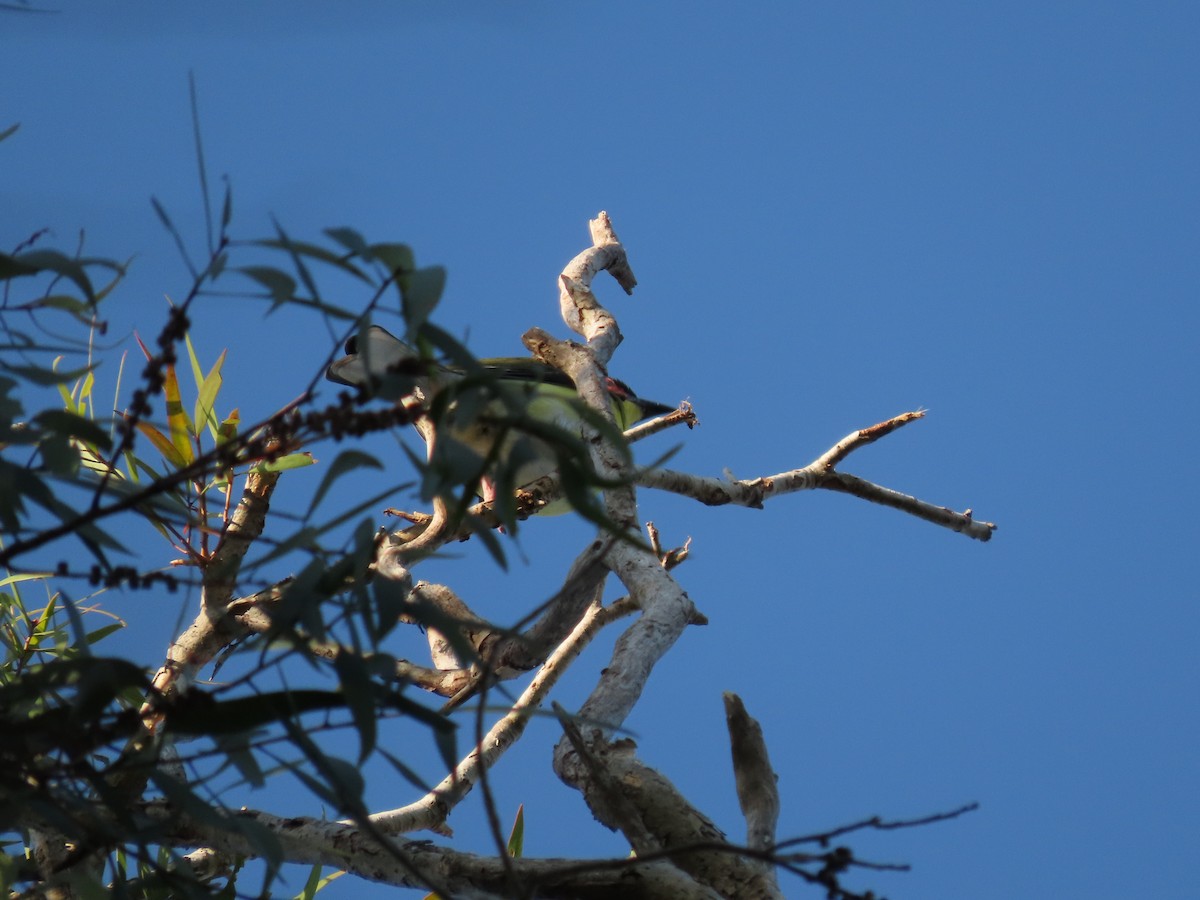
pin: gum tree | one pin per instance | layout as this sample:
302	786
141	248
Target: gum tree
119	776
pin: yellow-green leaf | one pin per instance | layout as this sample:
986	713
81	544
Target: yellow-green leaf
516	838
283	463
178	422
209	388
85	391
162	444
229	427
197	373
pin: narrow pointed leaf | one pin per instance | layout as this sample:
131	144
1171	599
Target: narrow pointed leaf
209	388
312	251
516	838
280	284
283	463
162	444
420	292
178	422
398	258
197	372
346	461
351	240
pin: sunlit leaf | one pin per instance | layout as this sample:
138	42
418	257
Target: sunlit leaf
85	390
178	422
283	463
197	372
104	631
209	388
162	444
228	428
23	576
516	837
311	885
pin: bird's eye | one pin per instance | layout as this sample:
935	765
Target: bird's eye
352	345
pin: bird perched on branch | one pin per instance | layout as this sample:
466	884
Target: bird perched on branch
515	418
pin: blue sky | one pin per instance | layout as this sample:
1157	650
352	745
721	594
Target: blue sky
837	212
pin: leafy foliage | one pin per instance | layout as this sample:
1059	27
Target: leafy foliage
89	739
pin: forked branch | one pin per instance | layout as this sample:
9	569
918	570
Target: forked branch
819	474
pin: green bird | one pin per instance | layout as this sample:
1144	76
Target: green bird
388	367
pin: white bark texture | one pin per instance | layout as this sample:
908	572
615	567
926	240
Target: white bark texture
680	853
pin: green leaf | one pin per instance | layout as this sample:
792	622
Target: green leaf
94	637
198	713
178	422
228	428
237	750
312	885
207	397
391	599
197	373
280	284
351	240
283	463
45	377
406	772
65	302
162	444
68	424
516	837
101	681
25	576
227	206
85	390
398	258
58	455
445	739
312	251
359	690
173	231
217	266
183	798
420	292
345	780
37	261
346	461
490	542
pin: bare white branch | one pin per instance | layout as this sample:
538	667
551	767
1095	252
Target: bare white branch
820	473
432	809
757	788
580	309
